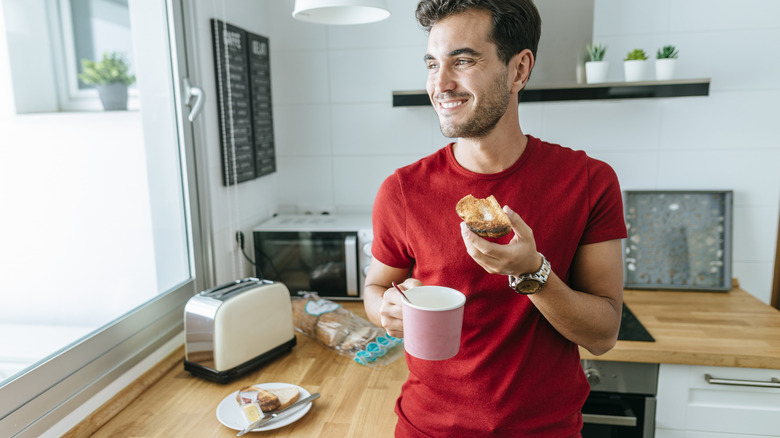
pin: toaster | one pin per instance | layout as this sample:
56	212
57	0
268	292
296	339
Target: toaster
237	327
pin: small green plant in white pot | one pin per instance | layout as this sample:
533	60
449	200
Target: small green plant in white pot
110	77
635	65
665	63
595	67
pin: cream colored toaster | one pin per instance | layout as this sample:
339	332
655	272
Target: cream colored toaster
237	327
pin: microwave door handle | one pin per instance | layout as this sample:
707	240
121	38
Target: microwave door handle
350	252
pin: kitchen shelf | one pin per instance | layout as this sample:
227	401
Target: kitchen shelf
603	91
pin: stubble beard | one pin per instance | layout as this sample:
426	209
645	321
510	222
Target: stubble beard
486	115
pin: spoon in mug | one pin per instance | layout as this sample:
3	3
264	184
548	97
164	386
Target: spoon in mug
402	292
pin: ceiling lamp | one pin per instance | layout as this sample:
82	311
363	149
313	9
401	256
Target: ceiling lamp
341	11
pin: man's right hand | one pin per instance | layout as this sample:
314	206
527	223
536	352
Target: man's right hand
391	309
382	302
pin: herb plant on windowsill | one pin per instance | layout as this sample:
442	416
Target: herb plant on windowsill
666	63
596	68
110	77
634	65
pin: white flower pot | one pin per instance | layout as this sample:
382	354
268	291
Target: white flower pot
113	96
596	71
665	68
635	70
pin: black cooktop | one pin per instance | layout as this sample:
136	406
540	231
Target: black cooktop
631	329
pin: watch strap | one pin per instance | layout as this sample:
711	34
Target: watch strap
539	277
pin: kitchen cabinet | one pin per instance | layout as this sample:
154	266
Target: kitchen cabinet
735	402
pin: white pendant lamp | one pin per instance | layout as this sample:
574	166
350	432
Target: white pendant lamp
340	11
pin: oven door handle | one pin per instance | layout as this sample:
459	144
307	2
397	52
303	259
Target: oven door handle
350	250
612	420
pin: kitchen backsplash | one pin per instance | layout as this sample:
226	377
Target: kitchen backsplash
338	137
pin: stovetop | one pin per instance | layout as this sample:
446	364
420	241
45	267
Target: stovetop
631	329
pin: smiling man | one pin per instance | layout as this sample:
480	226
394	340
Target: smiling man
517	373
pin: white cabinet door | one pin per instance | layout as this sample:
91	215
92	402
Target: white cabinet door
734	401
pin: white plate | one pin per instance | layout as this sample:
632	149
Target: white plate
229	413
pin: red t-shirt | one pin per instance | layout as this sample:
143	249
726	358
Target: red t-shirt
514	375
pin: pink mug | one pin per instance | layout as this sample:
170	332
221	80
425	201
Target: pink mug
433	320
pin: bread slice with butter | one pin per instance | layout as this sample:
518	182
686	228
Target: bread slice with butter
484	216
266	400
287	395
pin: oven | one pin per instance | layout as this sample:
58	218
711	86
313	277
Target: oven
622	398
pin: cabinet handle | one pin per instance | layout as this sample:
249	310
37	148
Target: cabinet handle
772	383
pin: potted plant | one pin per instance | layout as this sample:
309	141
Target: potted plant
665	63
596	67
634	65
110	78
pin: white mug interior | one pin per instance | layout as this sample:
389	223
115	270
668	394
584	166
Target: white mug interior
437	298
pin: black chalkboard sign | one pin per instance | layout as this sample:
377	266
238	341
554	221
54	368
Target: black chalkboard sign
242	67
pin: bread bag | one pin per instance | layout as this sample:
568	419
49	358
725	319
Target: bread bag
344	332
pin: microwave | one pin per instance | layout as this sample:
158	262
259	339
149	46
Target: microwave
327	254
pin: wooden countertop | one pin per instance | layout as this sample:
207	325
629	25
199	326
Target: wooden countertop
698	328
732	329
356	401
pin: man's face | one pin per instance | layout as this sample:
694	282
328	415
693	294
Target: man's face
467	82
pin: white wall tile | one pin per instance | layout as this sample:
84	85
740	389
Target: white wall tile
708	15
603	125
300	77
755	233
302	129
291	34
398	30
755	277
380	129
722	120
306	180
636	170
752	174
357	179
736	60
531	117
630	17
371	75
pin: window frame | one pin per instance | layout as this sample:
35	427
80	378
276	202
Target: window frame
35	401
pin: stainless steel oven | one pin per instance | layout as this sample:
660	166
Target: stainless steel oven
622	398
327	254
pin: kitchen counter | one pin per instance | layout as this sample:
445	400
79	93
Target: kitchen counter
698	328
730	329
356	401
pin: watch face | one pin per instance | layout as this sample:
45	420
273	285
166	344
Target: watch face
528	286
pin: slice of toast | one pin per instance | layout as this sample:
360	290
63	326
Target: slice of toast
267	400
287	395
484	216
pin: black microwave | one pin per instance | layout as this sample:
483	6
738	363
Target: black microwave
326	254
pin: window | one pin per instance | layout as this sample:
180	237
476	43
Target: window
86	29
100	247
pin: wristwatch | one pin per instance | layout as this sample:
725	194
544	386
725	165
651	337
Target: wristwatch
528	284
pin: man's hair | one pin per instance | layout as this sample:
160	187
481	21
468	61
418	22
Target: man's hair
516	23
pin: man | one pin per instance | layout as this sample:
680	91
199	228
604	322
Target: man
517	373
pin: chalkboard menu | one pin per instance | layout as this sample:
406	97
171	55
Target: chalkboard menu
243	72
